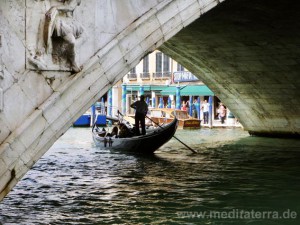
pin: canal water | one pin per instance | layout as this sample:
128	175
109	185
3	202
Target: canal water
234	179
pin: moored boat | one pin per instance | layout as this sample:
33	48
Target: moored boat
166	115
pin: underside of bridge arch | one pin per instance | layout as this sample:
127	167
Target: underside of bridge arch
247	52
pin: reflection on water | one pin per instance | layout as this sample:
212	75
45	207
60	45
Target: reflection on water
233	174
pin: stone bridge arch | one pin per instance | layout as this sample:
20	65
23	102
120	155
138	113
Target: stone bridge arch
49	99
246	51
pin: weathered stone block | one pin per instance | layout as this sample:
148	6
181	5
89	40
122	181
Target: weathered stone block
4	130
35	88
17	106
172	26
8	155
154	40
34	126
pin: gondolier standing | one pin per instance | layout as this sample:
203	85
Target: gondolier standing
141	109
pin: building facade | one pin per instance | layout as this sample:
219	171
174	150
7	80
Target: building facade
163	82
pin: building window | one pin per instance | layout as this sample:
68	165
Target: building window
162	66
145	75
158	62
146	64
132	74
180	67
132	70
166	63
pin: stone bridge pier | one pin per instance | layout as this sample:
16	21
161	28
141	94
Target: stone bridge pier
57	59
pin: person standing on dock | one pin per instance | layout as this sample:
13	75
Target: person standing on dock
194	108
222	113
141	109
205	108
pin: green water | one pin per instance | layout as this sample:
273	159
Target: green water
234	179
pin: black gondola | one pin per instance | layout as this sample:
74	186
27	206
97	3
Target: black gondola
144	144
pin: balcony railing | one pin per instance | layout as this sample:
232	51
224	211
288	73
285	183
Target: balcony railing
132	76
162	75
145	76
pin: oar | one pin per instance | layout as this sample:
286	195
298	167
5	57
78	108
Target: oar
174	136
94	125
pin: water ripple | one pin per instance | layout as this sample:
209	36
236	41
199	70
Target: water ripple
76	183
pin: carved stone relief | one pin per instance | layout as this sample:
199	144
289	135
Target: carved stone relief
52	35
